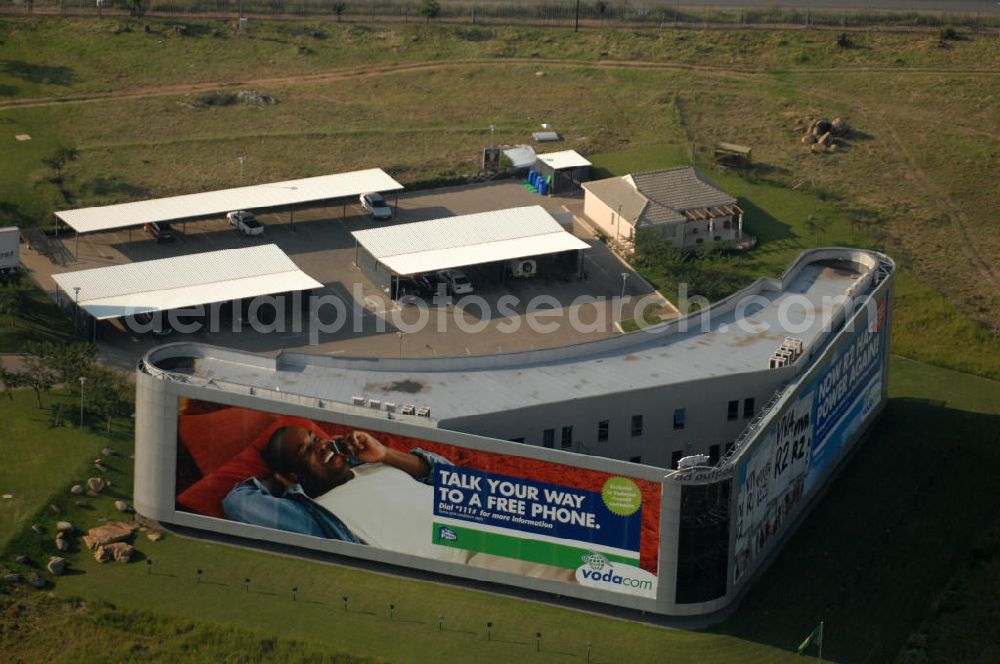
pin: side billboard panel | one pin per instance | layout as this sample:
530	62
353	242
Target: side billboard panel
419	497
808	437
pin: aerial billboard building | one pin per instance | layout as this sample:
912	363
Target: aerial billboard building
657	471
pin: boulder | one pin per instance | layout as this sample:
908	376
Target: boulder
56	565
92	494
62	544
64	526
808	138
82	504
95	484
838	126
119	552
22	559
832	147
121	506
100	466
154	536
824	139
109	451
36	581
109	533
11	577
817	148
76	489
38	530
55	509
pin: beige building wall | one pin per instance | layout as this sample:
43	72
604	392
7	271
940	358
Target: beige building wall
604	218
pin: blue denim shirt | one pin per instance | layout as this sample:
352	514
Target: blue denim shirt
294	511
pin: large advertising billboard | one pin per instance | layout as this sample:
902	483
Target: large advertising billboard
419	497
808	437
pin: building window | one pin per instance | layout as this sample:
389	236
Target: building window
679	417
636	459
602	430
699	240
567	437
517	440
748	406
636	425
734	410
549	438
727	224
713	454
674	458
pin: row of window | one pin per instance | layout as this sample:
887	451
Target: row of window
734	409
604	426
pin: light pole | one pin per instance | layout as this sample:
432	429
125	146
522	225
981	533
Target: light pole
400	335
243	160
624	279
76	309
83	379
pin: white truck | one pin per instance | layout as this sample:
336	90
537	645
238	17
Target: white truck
10	249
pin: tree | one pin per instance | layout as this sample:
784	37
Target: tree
66	362
137	8
36	375
11	298
601	7
109	394
338	9
430	9
58	161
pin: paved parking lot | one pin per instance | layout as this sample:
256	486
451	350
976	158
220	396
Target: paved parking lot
500	317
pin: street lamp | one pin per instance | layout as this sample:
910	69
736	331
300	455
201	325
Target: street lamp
243	160
624	279
400	335
83	379
76	309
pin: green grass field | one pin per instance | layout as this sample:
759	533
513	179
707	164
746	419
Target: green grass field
868	561
875	558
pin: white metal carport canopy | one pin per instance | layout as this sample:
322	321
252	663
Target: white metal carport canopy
256	197
184	281
471	239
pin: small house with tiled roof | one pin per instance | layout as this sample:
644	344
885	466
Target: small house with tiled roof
680	203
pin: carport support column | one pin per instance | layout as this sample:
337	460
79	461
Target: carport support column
356	264
78	245
291	217
739	227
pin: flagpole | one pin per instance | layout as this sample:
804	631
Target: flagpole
821	640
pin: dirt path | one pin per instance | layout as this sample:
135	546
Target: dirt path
384	70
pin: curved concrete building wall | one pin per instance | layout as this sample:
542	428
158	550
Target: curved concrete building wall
698	364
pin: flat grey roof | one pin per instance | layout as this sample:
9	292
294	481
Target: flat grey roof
462	386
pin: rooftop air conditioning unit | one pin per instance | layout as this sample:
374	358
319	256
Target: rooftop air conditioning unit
358	401
390	407
408	409
374	403
424	411
524	267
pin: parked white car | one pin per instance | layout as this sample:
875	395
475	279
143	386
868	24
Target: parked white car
245	222
375	205
456	280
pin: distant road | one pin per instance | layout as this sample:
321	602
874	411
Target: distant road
985	7
990	7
